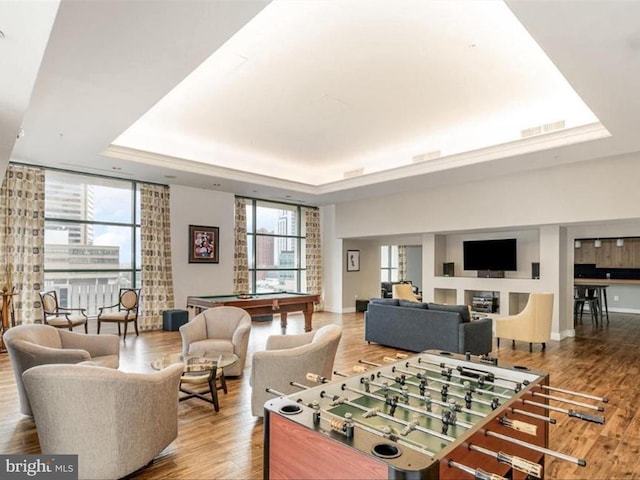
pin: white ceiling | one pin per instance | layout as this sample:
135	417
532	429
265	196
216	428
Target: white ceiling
327	88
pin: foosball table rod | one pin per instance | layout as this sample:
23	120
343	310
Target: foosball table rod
598	408
579	394
562	456
572	413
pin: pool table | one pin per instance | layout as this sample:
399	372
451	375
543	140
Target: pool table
262	304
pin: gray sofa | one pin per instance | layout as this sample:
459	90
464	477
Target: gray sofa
416	327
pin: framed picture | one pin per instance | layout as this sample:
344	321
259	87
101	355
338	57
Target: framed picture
203	244
353	260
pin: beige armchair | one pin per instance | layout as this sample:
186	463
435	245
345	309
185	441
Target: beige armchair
532	325
219	329
31	345
115	422
289	358
404	291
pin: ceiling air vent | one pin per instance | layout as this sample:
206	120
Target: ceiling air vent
427	156
354	173
540	129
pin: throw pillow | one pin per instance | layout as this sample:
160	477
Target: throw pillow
463	310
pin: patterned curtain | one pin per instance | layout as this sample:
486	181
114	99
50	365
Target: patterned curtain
240	256
157	276
402	263
313	253
22	239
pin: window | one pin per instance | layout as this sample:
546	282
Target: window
275	247
92	238
389	263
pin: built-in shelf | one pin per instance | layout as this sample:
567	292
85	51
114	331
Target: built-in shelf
445	295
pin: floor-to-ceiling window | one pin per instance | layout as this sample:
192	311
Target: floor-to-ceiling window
389	263
276	246
92	238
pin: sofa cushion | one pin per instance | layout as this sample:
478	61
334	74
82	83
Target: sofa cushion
385	301
463	310
411	304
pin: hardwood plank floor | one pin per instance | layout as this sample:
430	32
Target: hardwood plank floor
228	445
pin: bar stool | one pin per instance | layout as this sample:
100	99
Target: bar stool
582	295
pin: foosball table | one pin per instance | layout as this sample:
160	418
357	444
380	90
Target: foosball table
433	415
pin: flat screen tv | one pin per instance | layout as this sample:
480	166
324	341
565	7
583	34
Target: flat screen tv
496	255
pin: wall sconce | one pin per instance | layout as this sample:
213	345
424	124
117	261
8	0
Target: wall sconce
597	243
620	242
577	244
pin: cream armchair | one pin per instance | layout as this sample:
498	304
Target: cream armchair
289	358
115	422
219	329
532	325
404	291
34	344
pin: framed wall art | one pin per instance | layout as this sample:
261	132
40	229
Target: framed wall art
353	260
203	244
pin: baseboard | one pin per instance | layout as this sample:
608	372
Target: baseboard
623	310
564	334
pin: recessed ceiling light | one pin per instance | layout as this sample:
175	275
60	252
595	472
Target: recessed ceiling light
170	176
216	185
117	169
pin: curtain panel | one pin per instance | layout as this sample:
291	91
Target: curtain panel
22	239
240	255
402	263
313	253
157	275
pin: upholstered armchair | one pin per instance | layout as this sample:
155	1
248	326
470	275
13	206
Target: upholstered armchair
34	344
219	329
115	422
404	291
289	358
532	325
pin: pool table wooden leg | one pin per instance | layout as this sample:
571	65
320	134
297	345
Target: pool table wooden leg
308	314
283	321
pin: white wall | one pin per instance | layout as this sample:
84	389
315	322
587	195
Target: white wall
194	206
595	191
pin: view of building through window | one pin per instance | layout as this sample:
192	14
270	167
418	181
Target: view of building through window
276	245
92	238
389	263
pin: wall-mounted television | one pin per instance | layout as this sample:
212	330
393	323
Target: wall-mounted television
496	255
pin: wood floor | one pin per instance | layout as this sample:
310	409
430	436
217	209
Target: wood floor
228	445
